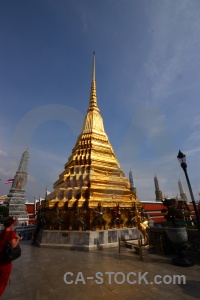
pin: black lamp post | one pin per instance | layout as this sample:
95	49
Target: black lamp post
182	159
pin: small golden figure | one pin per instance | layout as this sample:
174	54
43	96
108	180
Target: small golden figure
141	223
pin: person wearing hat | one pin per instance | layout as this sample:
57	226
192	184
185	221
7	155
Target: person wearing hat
5	267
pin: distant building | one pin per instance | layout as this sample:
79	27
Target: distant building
182	192
158	192
153	209
132	184
32	209
16	197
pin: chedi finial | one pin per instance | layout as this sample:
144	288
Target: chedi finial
93	67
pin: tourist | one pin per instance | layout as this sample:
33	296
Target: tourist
5	267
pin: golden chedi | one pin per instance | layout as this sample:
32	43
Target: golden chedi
92	189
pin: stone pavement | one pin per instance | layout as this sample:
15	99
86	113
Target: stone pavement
39	275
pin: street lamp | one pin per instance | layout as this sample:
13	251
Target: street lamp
182	159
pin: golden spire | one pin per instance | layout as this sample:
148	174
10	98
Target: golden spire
93	120
93	67
93	94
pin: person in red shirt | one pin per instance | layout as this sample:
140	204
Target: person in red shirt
5	267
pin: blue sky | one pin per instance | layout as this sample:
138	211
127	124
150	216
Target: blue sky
148	87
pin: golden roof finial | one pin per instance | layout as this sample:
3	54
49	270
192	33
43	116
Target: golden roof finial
93	119
93	67
93	95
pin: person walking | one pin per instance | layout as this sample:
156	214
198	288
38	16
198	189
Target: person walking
5	267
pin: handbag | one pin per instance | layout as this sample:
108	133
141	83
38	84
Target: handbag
11	253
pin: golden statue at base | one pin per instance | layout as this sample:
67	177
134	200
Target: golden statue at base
141	223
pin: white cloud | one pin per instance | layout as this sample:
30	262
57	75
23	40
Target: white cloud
31	178
8	167
193	151
196	121
46	157
3	153
175	45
